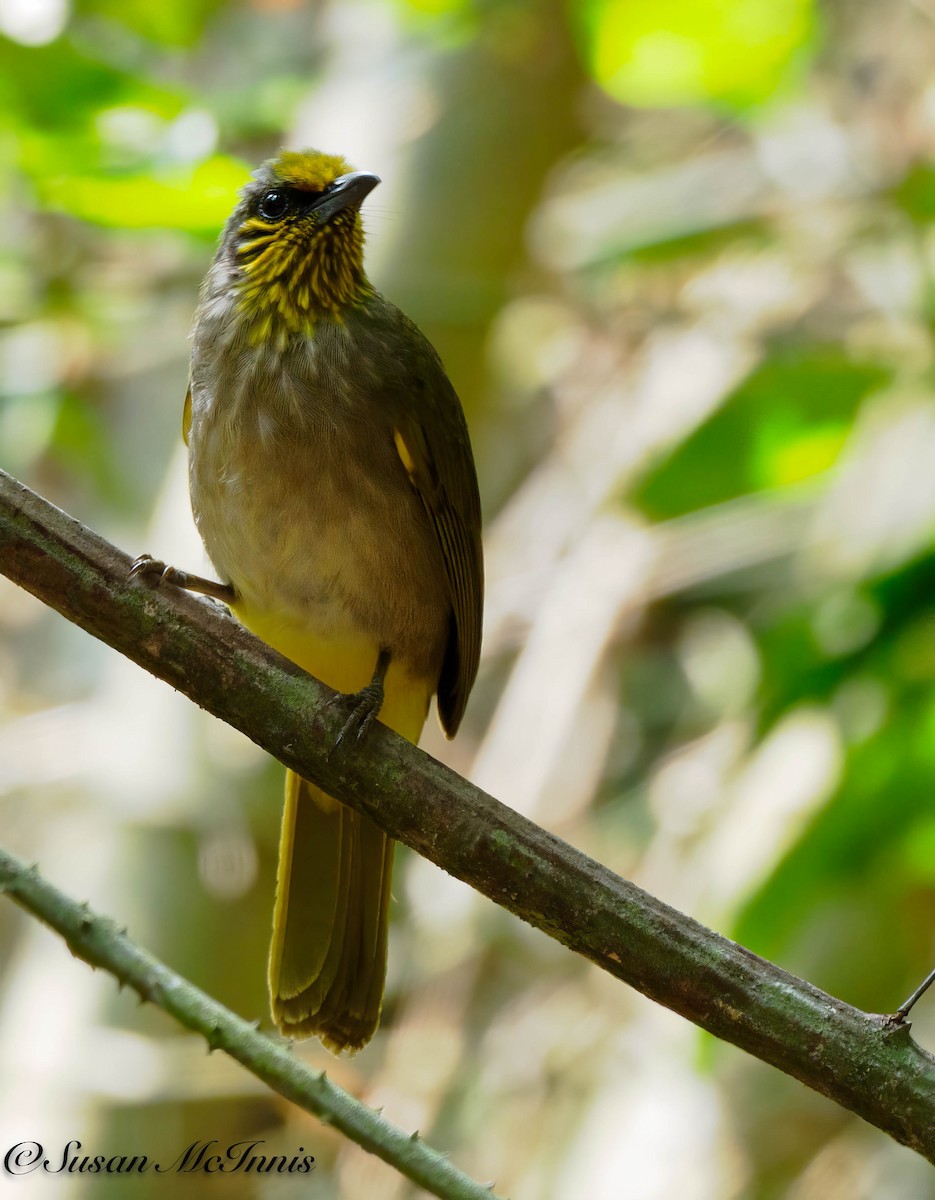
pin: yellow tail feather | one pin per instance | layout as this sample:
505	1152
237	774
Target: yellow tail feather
328	954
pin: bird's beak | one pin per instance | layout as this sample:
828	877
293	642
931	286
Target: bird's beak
348	191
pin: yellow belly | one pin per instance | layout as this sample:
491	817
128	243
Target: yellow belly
346	663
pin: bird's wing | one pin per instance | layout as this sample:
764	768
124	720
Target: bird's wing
432	440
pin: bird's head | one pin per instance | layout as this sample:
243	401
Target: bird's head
296	242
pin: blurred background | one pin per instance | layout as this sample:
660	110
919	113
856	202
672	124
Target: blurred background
678	257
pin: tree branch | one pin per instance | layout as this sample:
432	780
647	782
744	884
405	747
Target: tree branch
99	942
866	1063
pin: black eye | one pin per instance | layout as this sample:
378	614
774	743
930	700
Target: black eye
274	204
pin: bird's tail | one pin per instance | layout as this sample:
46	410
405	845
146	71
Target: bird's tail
328	954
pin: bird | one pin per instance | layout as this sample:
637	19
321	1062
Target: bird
333	484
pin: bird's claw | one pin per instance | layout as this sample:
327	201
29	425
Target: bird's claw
145	565
364	706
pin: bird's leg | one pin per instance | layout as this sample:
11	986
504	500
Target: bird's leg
365	705
146	565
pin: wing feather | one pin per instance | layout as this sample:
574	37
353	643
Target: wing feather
436	452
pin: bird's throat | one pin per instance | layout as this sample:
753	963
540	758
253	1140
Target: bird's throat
289	278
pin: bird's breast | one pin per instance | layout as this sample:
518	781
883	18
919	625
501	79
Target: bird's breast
304	505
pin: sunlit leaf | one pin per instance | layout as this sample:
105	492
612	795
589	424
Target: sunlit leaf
664	52
59	85
157	20
197	199
785	424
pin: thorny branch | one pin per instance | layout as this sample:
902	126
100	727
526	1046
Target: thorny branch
866	1063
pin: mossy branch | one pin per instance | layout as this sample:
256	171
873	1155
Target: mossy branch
99	942
866	1063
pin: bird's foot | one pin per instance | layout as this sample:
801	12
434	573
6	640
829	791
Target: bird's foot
364	707
147	567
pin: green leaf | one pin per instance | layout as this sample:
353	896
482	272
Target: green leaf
785	424
666	52
160	21
916	193
196	199
59	86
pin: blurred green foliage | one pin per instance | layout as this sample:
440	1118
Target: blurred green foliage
655	53
787	422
